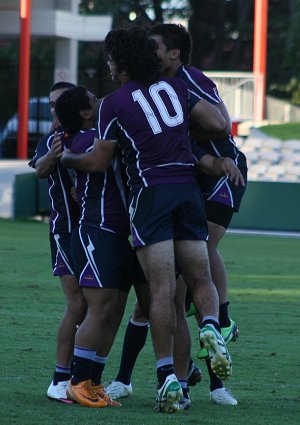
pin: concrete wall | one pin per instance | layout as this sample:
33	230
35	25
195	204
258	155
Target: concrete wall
266	205
269	206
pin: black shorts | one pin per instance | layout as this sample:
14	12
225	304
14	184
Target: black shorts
168	211
61	258
219	213
104	260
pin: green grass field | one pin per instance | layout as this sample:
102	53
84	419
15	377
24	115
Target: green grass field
283	131
264	277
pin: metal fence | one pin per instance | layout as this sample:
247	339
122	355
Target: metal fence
237	91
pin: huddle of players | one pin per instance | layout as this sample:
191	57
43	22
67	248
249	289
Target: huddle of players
146	123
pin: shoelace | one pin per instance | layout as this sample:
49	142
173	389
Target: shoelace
100	391
90	390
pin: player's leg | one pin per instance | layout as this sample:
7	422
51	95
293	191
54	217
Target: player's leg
218	393
134	340
135	335
158	263
73	315
182	344
108	324
218	271
219	217
194	374
97	330
100	278
192	257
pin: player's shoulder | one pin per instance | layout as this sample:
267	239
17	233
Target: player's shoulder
112	100
197	75
82	140
175	82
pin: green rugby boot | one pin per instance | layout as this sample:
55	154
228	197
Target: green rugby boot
220	359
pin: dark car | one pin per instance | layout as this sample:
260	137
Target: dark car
39	123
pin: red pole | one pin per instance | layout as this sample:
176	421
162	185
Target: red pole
24	78
260	56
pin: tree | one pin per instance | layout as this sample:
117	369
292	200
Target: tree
223	33
140	12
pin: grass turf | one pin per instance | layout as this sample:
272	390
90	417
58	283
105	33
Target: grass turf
264	280
282	131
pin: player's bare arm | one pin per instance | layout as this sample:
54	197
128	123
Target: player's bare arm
221	166
200	134
96	161
208	117
46	164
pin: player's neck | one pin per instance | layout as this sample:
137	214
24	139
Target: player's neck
171	71
124	77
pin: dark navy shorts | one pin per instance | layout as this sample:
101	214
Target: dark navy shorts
104	260
219	213
221	190
168	211
62	263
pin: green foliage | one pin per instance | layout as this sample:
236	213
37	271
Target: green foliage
292	56
146	10
264	294
289	91
223	39
9	53
42	52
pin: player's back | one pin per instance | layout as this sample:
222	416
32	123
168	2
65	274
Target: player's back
153	124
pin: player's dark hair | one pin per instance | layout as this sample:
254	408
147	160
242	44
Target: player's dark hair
134	52
68	107
62	85
175	36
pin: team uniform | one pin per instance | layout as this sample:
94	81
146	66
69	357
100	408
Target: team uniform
164	201
100	247
64	211
222	197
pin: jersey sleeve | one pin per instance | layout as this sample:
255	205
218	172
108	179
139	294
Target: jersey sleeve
193	99
107	124
209	90
43	147
198	153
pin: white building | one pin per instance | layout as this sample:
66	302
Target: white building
49	18
58	19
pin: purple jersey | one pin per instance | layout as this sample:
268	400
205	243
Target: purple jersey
64	210
199	83
203	86
151	126
101	196
217	189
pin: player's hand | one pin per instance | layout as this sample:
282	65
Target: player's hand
230	169
57	146
66	154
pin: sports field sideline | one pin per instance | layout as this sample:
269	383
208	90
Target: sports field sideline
264	275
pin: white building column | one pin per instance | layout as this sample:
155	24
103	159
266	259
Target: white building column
66	59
